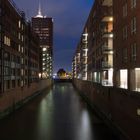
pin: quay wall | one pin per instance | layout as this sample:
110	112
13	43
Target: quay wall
118	107
15	98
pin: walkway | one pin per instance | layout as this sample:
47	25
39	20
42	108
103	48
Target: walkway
58	114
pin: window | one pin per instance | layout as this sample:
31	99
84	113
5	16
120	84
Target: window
19	23
13	83
125	10
133	26
7	41
7	84
133	4
19	35
13	72
123	78
125	32
134	52
125	55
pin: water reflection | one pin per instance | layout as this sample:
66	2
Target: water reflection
45	118
59	114
85	132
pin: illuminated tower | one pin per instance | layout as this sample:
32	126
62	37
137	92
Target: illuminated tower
43	26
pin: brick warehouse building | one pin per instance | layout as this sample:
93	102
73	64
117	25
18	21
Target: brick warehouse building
95	48
19	57
126	44
43	26
106	64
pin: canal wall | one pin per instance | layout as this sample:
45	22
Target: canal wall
13	99
118	107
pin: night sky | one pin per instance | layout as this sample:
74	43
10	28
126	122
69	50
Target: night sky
69	20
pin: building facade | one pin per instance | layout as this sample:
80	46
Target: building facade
19	49
111	39
111	83
43	26
126	44
93	60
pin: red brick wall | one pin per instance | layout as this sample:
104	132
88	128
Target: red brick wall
12	97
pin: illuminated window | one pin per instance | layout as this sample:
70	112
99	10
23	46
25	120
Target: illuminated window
44	49
123	78
19	24
7	41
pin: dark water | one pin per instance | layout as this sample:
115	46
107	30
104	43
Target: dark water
58	114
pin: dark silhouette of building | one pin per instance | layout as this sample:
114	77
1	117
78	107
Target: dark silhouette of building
43	26
19	49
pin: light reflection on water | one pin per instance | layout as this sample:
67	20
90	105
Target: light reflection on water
59	114
85	132
62	113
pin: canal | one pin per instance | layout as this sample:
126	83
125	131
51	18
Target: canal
56	114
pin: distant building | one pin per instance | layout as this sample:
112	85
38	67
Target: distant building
61	74
43	26
19	50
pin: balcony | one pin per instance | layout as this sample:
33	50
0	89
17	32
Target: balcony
107	83
107	2
106	49
107	14
106	64
107	34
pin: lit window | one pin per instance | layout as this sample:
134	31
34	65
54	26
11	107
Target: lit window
7	41
44	49
124	78
19	23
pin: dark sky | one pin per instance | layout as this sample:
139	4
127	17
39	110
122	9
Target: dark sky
69	19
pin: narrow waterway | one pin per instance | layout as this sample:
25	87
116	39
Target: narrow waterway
57	114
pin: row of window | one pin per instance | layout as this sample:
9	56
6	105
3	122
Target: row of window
133	28
133	53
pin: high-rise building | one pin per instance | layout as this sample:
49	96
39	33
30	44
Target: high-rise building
43	26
